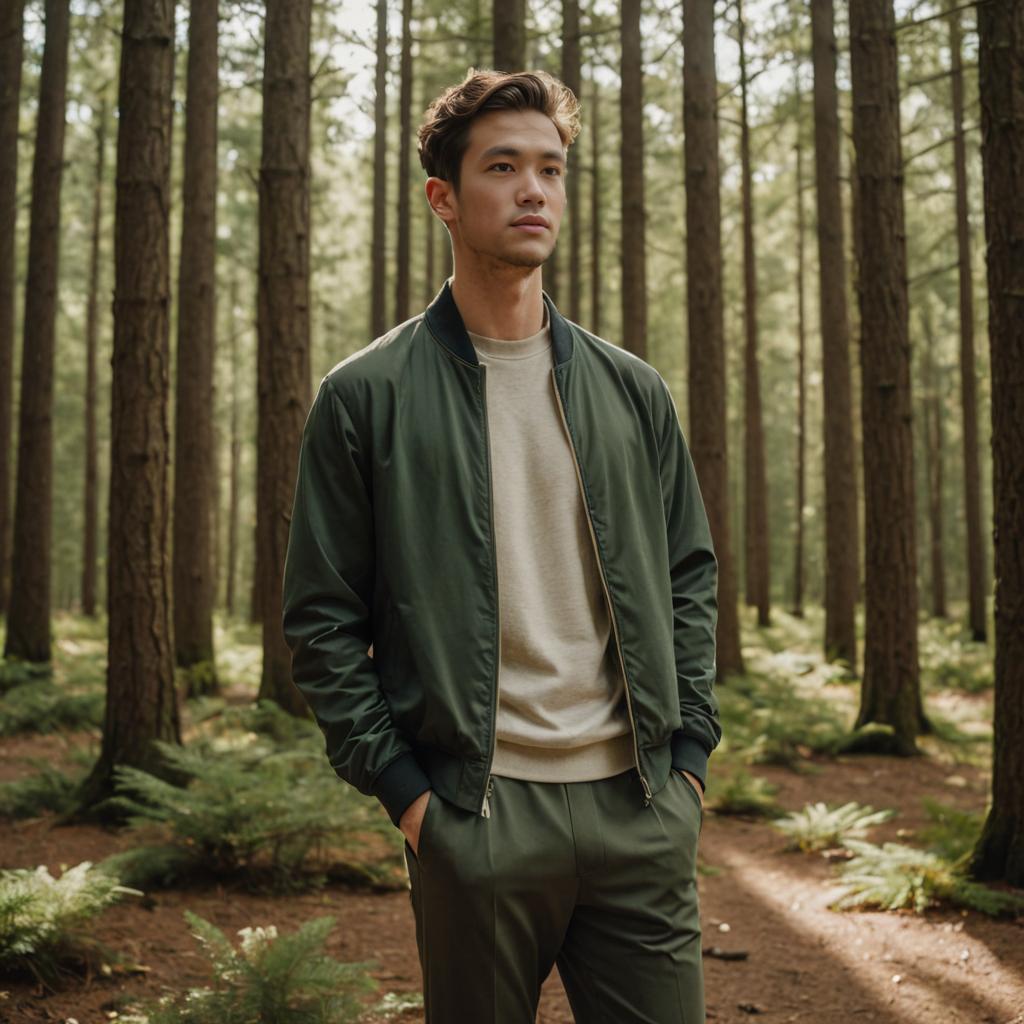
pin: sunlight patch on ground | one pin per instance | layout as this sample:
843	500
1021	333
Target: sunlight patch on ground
872	949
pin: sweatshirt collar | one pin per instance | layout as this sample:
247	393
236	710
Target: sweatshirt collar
445	323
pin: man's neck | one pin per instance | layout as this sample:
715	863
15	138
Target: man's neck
504	306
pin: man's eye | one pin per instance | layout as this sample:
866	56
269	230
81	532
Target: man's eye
557	170
500	165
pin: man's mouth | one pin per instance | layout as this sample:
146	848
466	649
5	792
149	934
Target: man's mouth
531	225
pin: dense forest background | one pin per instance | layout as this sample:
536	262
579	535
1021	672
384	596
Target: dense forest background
447	38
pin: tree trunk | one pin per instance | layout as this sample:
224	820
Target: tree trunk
633	258
976	574
842	528
891	688
755	498
194	591
28	617
402	270
509	27
236	454
90	543
141	704
11	44
378	245
706	382
801	385
282	319
932	407
571	76
596	275
1000	851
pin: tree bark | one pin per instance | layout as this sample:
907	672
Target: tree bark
509	27
90	543
801	386
1000	851
755	503
282	319
236	455
141	704
194	591
842	528
596	274
11	45
378	244
708	436
932	418
28	616
402	270
890	692
633	259
571	77
976	575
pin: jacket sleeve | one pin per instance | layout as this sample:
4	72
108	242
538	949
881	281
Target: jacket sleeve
327	609
694	574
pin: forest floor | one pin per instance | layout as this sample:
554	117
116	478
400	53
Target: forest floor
803	961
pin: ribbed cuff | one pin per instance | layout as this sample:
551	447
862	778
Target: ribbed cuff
689	755
399	784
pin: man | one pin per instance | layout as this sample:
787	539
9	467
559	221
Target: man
504	505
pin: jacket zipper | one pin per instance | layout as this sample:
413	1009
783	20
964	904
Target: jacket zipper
607	594
485	807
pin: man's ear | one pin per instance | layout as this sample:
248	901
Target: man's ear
440	197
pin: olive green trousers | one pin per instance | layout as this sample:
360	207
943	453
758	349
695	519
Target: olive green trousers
577	874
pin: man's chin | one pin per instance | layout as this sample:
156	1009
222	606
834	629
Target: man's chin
530	260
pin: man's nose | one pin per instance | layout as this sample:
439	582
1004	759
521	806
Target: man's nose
530	189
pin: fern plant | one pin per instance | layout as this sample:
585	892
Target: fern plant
268	979
894	876
254	811
820	827
42	918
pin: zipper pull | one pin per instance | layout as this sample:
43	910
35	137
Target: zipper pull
486	809
647	791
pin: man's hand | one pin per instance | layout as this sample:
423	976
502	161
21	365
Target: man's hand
412	819
693	782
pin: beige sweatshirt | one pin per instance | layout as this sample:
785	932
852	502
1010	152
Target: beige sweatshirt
561	706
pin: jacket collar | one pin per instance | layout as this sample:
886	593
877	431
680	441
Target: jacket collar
445	323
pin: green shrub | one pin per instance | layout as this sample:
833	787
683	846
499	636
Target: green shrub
41	706
48	789
267	980
252	811
42	918
894	876
15	672
952	833
766	720
820	827
742	794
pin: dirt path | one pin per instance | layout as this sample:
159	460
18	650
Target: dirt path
805	963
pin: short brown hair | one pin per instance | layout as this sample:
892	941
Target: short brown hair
444	134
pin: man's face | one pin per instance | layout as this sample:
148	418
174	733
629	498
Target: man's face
513	168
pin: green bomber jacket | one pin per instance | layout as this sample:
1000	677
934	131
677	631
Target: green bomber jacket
390	595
